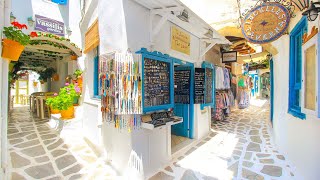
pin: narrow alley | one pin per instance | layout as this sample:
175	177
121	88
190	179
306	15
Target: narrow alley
39	152
240	147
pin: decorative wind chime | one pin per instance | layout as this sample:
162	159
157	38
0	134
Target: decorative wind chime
120	90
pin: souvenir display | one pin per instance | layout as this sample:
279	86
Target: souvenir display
182	86
224	101
222	78
209	85
199	85
156	83
120	89
243	95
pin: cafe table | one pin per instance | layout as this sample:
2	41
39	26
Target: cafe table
40	103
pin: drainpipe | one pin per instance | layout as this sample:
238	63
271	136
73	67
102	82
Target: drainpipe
4	94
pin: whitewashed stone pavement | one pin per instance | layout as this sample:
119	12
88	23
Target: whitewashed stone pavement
239	148
38	152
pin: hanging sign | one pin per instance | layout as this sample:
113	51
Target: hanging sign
265	23
180	40
45	24
230	56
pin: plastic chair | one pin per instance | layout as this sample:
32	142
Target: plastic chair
48	95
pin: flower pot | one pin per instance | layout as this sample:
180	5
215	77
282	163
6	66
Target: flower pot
54	111
79	81
11	49
67	114
55	77
35	84
75	101
42	82
73	57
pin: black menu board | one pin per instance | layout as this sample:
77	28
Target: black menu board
199	85
182	86
209	84
156	83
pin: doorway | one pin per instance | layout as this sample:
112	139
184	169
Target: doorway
182	133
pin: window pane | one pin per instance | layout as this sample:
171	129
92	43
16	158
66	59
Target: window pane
22	84
310	78
298	59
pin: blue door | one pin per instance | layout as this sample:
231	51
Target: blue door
185	128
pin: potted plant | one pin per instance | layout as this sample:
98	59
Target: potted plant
53	103
78	76
73	56
45	74
77	96
13	44
64	101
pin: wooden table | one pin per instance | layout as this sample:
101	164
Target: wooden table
40	104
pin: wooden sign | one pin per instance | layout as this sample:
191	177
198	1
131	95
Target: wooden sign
265	23
180	40
92	39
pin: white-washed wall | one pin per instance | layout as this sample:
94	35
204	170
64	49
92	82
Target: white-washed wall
299	139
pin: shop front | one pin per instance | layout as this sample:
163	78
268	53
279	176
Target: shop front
154	87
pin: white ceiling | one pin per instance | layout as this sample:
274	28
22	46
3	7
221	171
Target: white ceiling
219	13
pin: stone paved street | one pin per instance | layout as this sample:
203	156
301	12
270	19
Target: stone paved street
240	147
38	152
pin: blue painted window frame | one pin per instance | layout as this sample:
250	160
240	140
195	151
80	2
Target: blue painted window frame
295	68
210	66
158	56
61	2
96	85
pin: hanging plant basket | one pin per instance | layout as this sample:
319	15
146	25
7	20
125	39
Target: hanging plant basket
35	84
11	50
55	77
73	57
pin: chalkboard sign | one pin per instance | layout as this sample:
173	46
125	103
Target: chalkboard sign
182	86
209	85
156	83
199	85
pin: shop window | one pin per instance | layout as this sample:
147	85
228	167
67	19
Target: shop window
96	85
295	69
309	71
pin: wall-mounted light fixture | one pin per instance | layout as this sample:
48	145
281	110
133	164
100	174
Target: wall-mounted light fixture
12	17
184	16
69	32
312	11
301	4
209	33
30	21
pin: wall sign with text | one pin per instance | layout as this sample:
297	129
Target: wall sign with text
45	24
230	56
265	23
180	40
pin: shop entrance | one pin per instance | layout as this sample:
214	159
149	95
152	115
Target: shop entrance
184	105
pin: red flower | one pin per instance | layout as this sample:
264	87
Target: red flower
33	34
18	25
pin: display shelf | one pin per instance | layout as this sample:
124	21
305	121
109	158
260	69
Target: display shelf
209	85
150	126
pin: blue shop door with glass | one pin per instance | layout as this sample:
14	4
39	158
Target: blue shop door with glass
183	77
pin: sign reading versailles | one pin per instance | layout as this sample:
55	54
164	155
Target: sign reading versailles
265	23
180	40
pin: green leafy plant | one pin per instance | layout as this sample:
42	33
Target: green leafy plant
65	98
47	73
15	33
77	73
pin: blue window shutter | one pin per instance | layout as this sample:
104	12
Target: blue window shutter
96	76
61	2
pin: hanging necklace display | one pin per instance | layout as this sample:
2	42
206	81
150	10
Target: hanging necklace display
120	90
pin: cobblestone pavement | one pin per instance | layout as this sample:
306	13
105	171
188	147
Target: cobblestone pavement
240	147
38	152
